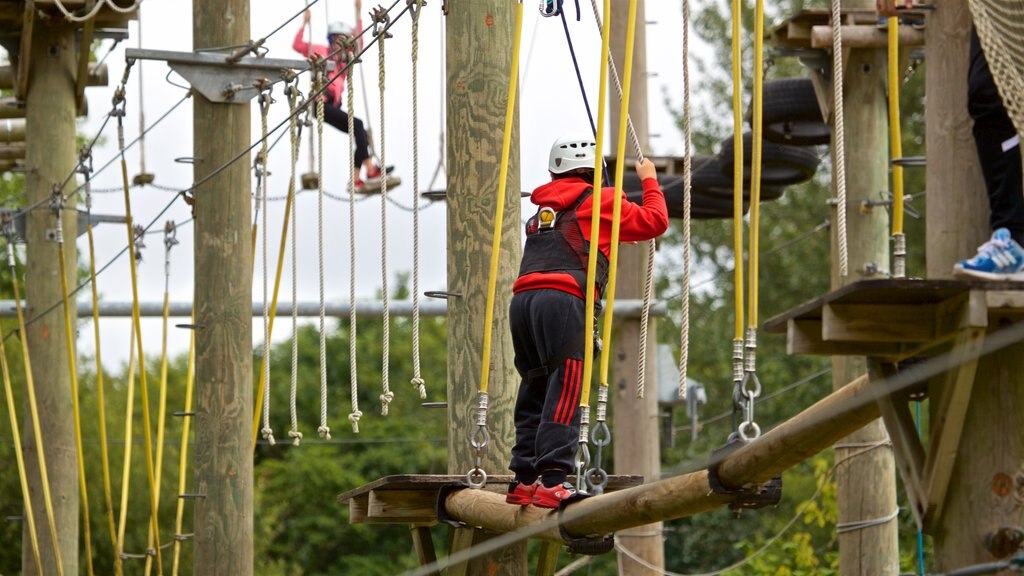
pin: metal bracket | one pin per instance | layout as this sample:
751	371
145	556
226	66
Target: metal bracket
84	220
215	78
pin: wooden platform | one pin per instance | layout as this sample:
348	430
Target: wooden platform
895	319
412	498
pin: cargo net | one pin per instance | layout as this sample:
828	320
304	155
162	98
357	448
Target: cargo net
1000	25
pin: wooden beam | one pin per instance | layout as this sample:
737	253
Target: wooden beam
24	58
96	76
84	52
462	539
865	36
384	505
800	437
948	420
803	336
905	440
877	323
423	543
547	561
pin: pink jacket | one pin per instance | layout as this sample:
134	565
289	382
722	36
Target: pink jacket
335	88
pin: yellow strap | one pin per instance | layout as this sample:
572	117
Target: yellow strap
183	456
595	217
737	170
126	466
69	341
620	166
104	451
755	162
499	209
34	413
16	436
895	138
142	367
161	414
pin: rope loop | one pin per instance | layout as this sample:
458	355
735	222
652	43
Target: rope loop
268	435
385	400
296	437
354	419
324	432
414	8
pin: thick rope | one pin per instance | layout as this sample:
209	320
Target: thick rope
170	240
71	17
386	394
69	342
33	408
261	199
323	430
684	324
417	378
19	457
293	134
839	150
353	372
183	455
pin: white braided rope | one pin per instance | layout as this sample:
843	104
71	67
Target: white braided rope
417	379
353	372
127	9
261	192
386	395
294	433
70	17
684	324
840	132
323	430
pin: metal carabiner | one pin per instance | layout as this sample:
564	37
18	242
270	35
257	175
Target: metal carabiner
549	8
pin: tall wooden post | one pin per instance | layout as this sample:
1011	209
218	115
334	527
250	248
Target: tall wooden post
479	36
635	422
223	312
984	487
50	152
866	484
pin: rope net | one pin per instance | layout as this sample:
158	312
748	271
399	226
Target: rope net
1000	25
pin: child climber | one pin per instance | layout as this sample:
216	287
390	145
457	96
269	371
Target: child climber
548	308
337	34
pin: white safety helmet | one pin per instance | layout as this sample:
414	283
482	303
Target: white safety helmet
334	28
572	152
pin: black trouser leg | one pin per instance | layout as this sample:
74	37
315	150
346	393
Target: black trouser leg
999	157
338	118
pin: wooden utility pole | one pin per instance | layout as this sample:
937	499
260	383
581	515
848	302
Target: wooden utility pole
866	483
50	152
635	422
984	485
223	312
479	36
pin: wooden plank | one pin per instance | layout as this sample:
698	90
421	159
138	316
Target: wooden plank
948	421
84	53
865	36
877	323
547	561
423	544
804	337
24	58
1005	299
905	440
358	509
398	506
462	540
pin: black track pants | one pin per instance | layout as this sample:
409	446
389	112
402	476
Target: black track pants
338	118
547	410
998	146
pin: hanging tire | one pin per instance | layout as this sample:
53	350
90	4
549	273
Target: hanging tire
791	114
708	178
781	164
703	206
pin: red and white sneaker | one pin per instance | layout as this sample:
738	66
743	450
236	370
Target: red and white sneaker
520	494
551	497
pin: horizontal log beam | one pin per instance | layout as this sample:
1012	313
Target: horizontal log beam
98	76
14	151
809	432
865	36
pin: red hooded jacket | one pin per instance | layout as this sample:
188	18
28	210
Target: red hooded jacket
637	222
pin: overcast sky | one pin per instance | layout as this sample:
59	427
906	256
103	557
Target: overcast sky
551	105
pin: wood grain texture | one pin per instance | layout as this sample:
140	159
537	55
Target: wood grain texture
50	150
223	304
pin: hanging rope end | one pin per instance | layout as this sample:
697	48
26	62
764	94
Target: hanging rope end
354	419
268	435
324	432
420	386
296	437
385	401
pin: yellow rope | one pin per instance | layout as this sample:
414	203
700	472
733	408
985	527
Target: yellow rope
895	139
34	412
69	341
620	153
142	366
755	161
161	415
16	436
126	465
183	456
104	452
499	209
737	171
595	217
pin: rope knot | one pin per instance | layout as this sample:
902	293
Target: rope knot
324	432
419	384
354	419
296	437
386	399
268	435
